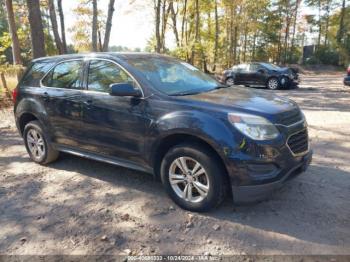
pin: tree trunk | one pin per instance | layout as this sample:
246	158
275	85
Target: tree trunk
245	42
63	29
197	36
108	25
4	84
279	47
341	30
231	38
327	23
36	28
297	3
183	22
99	46
286	36
55	27
165	16
254	46
94	26
174	19
235	35
216	41
157	4
319	24
16	52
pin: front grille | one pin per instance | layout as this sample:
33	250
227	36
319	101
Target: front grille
299	142
290	118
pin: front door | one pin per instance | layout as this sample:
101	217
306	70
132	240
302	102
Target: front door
112	125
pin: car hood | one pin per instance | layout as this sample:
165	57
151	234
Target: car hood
282	70
248	100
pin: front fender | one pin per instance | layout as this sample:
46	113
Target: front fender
210	128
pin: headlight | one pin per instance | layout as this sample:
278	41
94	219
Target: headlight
255	127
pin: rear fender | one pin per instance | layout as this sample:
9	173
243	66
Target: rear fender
32	106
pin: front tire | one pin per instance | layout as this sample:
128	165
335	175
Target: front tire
37	144
193	179
273	84
284	82
230	81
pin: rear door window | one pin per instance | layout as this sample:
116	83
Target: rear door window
242	68
65	75
254	67
36	72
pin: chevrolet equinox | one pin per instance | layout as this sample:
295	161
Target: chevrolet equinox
162	116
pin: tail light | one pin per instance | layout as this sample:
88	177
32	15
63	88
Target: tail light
349	70
14	95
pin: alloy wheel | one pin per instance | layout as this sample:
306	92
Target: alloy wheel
189	179
230	82
36	144
273	83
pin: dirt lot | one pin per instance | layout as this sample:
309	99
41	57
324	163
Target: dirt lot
79	206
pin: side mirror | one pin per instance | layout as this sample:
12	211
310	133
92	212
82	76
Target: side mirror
262	71
124	89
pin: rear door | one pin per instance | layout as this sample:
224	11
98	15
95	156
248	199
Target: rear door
241	75
63	97
256	74
112	125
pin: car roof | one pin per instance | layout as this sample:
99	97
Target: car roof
119	55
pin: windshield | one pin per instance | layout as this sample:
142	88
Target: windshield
174	77
271	66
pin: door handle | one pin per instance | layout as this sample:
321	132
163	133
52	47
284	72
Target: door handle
46	96
87	102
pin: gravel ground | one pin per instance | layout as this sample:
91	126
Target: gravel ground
79	206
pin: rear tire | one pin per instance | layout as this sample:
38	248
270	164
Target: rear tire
198	185
273	84
37	144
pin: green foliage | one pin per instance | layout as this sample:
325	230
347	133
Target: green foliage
327	56
312	61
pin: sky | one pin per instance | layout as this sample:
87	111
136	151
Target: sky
132	24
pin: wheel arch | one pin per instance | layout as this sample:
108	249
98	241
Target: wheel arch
24	119
270	77
29	109
175	139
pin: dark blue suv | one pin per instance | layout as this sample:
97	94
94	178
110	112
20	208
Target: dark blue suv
165	117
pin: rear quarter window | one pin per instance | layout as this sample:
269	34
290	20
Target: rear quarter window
36	72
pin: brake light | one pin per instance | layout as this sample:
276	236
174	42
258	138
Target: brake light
14	95
349	70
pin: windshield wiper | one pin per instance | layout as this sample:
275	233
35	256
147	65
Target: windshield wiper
221	86
188	93
185	93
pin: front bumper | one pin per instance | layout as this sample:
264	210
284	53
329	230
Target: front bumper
257	169
254	193
293	82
